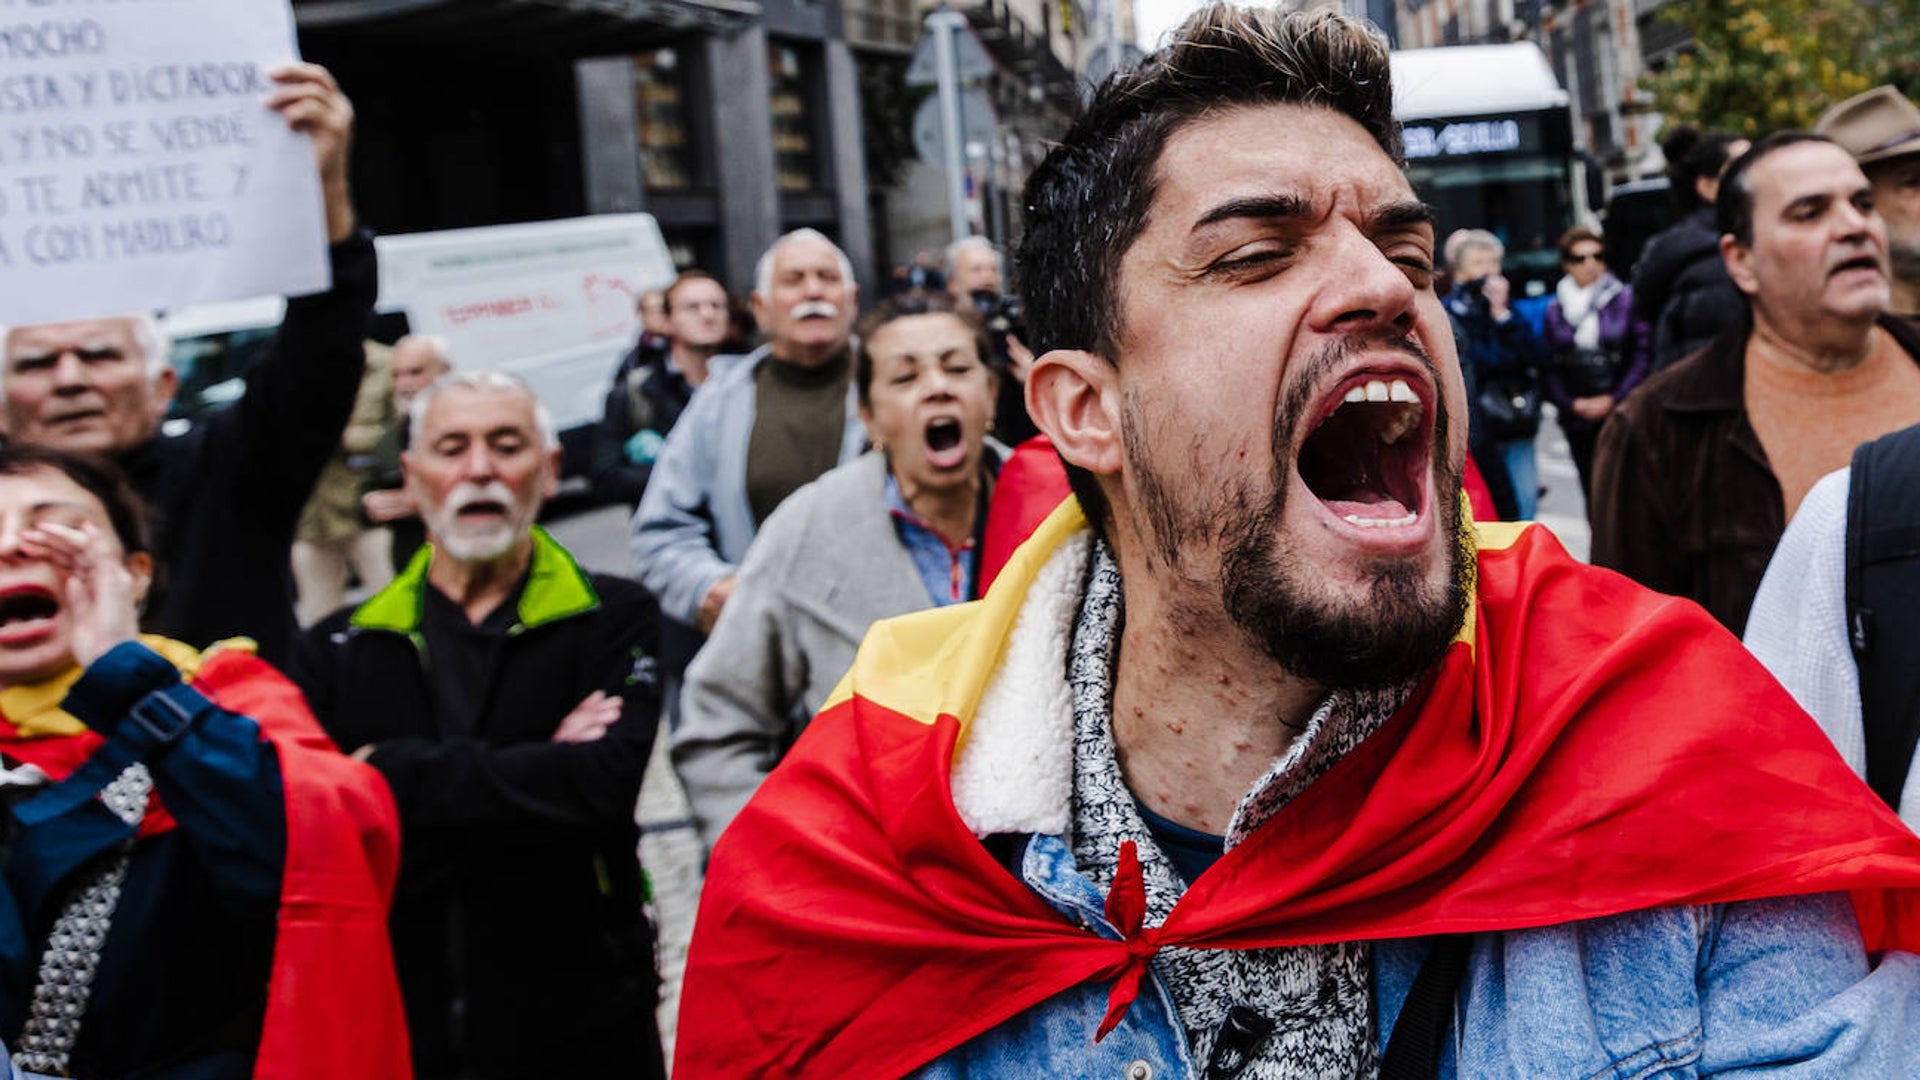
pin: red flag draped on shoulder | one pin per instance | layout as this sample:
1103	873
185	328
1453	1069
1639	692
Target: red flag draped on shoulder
333	1001
1586	748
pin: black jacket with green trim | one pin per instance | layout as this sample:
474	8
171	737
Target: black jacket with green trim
518	927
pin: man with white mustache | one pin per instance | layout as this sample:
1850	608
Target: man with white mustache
759	428
510	699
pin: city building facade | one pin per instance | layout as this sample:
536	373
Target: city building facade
1042	52
730	121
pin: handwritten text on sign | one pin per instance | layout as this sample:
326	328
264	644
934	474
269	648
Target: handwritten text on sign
138	167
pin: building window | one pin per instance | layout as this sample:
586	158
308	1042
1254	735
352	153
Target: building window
669	157
796	139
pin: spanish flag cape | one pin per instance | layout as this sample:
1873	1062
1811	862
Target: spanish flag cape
333	1002
1586	748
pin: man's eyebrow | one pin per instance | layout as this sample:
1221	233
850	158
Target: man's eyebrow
1255	206
1401	215
1809	202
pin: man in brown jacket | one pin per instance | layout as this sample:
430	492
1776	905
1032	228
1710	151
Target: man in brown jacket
1697	472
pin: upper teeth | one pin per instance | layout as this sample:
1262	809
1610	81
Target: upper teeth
1381	390
1375	391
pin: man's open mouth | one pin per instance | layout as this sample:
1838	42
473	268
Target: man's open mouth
1861	262
482	508
1368	459
26	612
946	446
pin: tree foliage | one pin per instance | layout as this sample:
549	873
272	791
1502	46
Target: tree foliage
1759	66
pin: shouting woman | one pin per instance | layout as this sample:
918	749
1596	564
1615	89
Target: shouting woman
893	531
196	881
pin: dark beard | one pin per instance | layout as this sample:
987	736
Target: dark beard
1399	630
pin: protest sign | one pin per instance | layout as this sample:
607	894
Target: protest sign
138	166
551	301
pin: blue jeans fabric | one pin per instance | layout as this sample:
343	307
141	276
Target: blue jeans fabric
1524	471
1778	985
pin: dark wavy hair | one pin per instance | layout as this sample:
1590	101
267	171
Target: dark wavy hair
1691	155
1088	201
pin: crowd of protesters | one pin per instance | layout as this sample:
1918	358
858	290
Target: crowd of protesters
1150	671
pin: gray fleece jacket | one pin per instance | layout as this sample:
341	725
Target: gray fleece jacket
827	565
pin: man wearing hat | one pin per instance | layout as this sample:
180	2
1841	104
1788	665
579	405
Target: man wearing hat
1881	129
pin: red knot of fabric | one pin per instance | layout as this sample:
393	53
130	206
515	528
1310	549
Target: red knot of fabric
1127	911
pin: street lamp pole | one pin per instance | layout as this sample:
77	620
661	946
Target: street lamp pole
945	24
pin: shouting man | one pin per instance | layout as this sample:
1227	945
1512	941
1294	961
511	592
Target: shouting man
509	698
1258	760
1699	470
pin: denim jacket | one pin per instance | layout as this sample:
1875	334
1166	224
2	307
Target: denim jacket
1780	985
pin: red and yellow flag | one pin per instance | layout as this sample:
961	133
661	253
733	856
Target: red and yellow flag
333	1001
1586	748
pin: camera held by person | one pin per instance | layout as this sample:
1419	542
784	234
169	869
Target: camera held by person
974	277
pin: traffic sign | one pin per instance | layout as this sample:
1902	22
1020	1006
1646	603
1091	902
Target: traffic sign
977	125
970	58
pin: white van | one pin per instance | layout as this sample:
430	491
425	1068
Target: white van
550	301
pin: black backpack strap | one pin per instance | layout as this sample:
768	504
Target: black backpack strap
1883	602
1426	1017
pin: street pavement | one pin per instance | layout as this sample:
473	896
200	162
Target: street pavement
1561	509
669	848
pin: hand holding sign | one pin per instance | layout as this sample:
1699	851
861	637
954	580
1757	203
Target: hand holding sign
312	104
143	166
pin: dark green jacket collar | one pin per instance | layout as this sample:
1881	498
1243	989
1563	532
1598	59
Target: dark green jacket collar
557	588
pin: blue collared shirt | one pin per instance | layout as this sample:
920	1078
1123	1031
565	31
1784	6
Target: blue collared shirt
946	570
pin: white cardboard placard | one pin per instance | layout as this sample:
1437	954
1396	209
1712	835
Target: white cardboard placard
139	169
551	301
